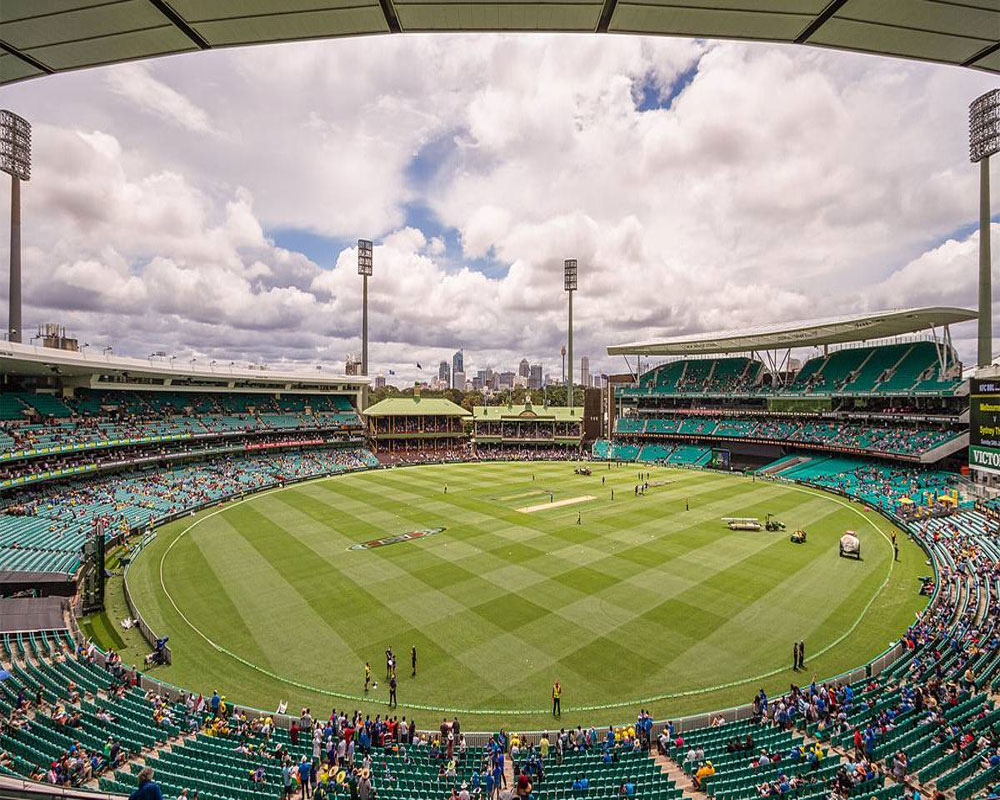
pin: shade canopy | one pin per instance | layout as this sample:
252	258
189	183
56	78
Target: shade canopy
40	37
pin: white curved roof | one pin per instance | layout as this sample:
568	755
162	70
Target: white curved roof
39	37
87	367
830	330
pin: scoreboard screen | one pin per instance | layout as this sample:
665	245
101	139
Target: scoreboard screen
720	458
984	424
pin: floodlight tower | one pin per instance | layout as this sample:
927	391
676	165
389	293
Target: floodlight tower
365	271
984	141
15	160
569	284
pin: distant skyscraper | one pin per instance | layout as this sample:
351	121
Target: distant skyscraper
585	371
444	373
523	369
458	381
458	365
507	380
353	365
535	377
380	381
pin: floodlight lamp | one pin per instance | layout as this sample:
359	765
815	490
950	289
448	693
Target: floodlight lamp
364	257
15	145
984	126
569	274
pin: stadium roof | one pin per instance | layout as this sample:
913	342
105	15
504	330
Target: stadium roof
85	368
831	330
527	412
415	407
40	37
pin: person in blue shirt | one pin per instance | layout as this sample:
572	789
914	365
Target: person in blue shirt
215	702
147	789
629	788
304	769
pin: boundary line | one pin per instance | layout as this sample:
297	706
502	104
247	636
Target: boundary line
520	712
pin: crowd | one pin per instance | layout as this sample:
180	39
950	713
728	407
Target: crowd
510	452
907	440
123	416
58	516
925	716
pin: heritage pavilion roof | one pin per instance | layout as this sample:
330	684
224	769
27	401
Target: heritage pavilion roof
415	407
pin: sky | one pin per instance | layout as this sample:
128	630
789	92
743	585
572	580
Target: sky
208	205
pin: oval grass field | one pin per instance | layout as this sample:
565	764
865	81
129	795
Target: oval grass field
641	601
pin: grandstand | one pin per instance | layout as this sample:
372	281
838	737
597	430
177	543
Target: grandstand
416	427
108	448
132	456
526	428
874	388
121	444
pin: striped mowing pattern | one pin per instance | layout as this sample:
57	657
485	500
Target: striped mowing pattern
642	599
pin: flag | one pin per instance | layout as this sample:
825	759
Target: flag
418	365
392	372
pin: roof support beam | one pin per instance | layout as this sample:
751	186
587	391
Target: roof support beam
986	51
391	19
181	24
30	60
831	8
607	12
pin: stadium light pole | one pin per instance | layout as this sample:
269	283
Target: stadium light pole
15	160
569	284
365	271
984	141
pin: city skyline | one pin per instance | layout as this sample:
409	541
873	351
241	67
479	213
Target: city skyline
526	374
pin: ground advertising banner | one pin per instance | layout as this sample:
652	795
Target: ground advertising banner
984	425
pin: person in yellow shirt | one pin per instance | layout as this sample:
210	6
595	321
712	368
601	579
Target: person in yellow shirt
704	772
556	699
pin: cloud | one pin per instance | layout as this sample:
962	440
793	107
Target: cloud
135	83
778	183
945	275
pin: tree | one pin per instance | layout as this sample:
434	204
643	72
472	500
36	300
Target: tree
378	395
471	399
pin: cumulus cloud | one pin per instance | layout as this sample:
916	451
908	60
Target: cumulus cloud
769	183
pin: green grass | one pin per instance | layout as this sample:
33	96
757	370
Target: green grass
99	628
642	600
